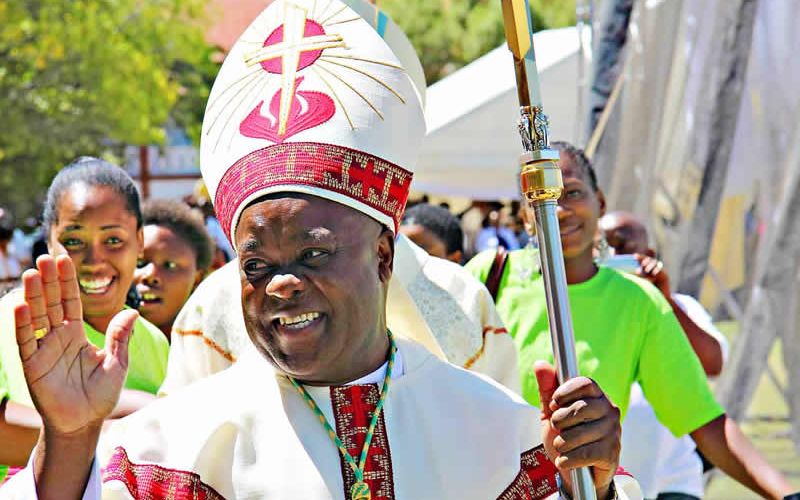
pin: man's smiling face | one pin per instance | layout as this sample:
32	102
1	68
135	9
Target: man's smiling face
314	278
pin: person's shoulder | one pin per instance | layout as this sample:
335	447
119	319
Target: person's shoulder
480	264
150	333
212	397
189	416
226	276
454	276
456	384
632	286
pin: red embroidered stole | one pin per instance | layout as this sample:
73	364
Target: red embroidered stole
153	482
536	478
353	407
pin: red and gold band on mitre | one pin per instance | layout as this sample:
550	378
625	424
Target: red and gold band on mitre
322	97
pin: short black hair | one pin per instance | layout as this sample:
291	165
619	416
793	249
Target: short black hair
90	172
186	223
580	159
439	221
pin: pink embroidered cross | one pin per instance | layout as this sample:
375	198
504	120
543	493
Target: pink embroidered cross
293	46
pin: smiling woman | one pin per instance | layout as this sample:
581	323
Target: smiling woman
92	215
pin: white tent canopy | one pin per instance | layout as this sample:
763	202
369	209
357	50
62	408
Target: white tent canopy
473	145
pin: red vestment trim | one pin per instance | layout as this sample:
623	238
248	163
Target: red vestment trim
353	407
207	341
367	179
536	478
475	357
153	482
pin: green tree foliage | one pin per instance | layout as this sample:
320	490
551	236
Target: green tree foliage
449	34
84	76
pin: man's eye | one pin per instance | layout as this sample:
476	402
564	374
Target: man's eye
140	263
113	240
574	193
254	267
313	255
169	265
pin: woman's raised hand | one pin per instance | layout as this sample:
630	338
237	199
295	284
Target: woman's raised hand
73	384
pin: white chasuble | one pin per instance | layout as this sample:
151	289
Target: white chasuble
246	433
444	433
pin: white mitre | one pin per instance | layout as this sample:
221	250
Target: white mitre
313	100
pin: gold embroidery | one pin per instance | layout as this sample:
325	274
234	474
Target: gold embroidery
335	96
333	15
374	78
231	86
359	94
363	59
252	97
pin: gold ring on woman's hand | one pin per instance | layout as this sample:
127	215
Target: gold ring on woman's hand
40	333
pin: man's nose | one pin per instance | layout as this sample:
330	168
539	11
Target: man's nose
285	286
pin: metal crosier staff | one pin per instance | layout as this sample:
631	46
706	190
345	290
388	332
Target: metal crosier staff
542	186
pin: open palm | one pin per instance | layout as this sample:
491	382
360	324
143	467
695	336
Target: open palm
73	383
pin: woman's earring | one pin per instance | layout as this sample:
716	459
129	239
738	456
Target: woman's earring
602	248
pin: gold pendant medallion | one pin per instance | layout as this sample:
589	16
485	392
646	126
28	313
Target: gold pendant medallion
360	491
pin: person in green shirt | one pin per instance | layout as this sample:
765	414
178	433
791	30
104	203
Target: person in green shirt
625	332
177	255
92	214
19	429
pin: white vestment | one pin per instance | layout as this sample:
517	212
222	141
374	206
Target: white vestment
247	433
450	312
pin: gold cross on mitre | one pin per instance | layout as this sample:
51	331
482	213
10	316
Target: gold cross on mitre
294	44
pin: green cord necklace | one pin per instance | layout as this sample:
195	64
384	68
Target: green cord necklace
360	490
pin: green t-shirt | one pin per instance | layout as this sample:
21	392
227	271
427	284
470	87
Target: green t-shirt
147	353
625	332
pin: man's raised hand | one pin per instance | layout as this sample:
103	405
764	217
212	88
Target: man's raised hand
73	384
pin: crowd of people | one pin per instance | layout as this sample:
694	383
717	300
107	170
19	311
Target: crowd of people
646	346
316	338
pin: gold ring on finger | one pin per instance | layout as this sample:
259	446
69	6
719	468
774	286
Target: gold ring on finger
40	333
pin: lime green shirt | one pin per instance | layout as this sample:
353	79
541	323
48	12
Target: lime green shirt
147	353
625	332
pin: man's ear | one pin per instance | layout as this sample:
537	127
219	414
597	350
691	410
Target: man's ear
198	278
385	254
456	257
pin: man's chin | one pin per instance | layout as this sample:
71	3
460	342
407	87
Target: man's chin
303	366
